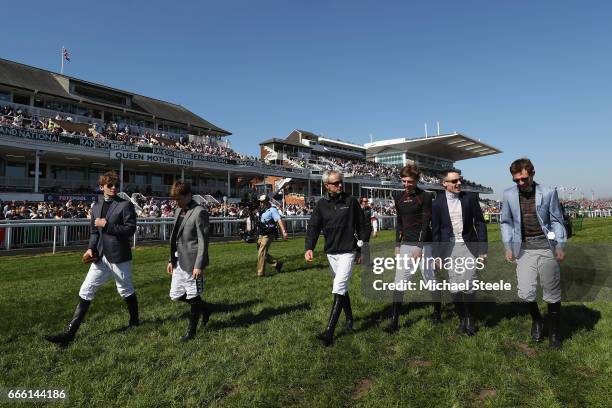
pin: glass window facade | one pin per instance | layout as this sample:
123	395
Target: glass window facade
391	159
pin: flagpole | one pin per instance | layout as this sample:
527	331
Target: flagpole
62	58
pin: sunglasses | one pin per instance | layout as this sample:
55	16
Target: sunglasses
335	183
455	181
111	185
523	179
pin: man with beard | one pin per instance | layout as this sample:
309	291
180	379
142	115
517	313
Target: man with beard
533	234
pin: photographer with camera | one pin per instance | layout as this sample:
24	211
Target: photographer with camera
269	219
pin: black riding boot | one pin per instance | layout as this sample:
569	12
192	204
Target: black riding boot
348	312
537	325
132	305
393	325
327	337
436	317
470	320
460	310
68	335
194	317
554	319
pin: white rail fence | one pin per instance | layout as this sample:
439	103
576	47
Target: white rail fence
20	234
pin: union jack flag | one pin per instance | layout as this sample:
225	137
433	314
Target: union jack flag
66	54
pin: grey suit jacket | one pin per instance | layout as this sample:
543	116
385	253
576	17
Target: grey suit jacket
190	240
113	240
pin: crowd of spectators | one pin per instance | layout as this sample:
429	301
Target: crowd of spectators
113	131
298	210
588	205
124	133
28	210
164	207
360	168
373	169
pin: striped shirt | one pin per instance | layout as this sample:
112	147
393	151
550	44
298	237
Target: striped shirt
530	226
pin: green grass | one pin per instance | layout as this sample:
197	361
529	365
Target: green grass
259	347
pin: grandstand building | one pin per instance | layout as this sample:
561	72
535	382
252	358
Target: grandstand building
373	167
59	133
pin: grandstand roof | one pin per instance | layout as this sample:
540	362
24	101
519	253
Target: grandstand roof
453	147
42	81
285	141
323	139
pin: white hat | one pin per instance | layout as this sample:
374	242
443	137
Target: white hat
263	197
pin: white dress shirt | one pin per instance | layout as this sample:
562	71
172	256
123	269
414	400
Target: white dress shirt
456	215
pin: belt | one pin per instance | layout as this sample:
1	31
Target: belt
537	242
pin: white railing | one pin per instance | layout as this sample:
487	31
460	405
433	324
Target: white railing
18	234
52	234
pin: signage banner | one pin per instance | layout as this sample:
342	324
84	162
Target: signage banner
73	197
150	157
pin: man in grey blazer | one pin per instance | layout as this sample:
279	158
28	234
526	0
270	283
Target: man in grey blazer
533	233
113	223
189	255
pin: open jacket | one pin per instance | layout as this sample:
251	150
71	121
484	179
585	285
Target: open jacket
474	227
113	241
548	211
189	243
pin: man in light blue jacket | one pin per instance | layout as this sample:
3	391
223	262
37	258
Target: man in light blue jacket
533	233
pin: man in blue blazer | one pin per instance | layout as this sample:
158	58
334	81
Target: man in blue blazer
459	233
533	233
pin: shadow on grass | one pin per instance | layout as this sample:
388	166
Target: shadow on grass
574	318
231	307
299	269
383	315
215	308
248	319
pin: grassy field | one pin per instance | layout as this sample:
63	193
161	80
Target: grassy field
259	347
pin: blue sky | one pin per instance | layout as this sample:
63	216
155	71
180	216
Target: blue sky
530	78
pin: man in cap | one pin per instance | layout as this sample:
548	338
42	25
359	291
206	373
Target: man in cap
269	219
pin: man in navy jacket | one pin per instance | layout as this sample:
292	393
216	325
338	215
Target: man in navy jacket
113	223
459	234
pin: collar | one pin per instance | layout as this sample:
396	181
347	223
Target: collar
530	191
412	193
338	197
451	196
190	205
